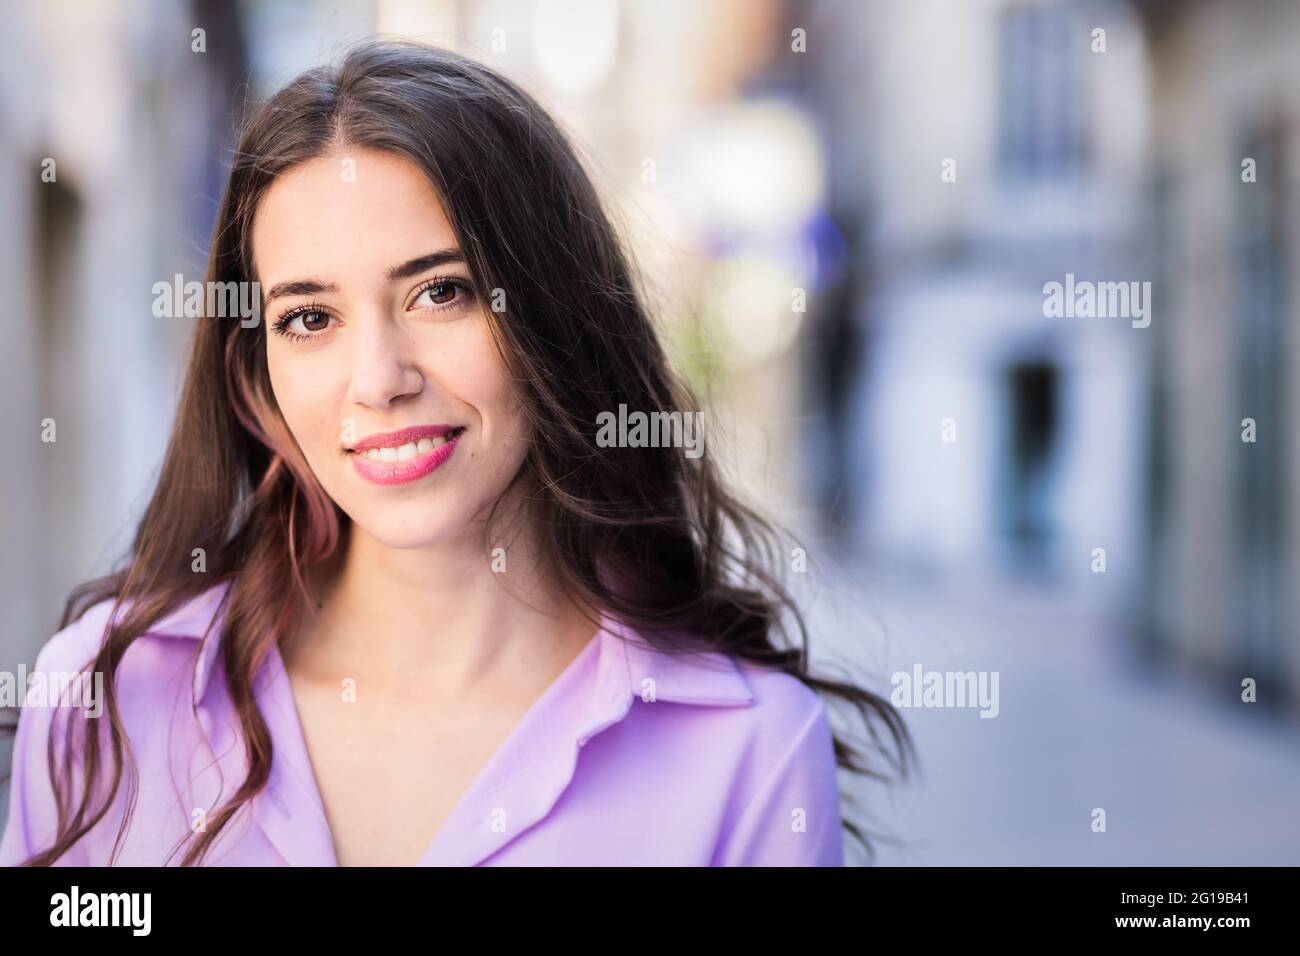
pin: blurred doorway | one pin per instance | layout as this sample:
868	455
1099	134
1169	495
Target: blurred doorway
1027	491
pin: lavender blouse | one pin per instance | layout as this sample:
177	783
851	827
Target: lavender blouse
631	757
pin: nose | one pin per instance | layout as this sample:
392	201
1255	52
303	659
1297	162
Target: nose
383	366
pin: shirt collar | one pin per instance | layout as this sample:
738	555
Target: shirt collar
631	668
703	678
534	766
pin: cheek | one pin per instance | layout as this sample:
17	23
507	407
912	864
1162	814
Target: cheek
282	387
477	374
285	385
301	404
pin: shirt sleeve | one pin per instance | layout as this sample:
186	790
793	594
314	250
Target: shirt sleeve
793	819
33	819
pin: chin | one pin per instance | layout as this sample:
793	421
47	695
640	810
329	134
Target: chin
407	529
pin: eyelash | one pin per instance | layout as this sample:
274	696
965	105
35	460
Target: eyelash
281	325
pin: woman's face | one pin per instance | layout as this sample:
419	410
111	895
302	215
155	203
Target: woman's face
373	328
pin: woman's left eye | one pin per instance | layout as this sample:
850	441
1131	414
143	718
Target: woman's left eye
442	293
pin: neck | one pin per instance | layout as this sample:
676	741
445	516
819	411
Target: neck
452	617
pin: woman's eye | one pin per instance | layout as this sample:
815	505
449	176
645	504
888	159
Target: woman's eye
440	293
303	324
313	321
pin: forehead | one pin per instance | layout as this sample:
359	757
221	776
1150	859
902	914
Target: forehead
351	211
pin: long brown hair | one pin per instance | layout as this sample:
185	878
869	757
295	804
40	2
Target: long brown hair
648	534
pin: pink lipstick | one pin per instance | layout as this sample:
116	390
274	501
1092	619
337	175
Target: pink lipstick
404	456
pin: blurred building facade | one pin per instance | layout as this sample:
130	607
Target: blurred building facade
984	149
110	153
990	148
1224	544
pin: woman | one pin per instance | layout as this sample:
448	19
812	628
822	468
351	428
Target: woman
392	602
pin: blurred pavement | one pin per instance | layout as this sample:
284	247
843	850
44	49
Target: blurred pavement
1184	781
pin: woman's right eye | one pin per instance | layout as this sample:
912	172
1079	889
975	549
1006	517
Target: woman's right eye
302	323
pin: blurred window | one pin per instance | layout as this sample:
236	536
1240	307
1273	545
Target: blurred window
1042	132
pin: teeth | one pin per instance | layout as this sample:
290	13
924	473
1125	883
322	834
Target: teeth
406	452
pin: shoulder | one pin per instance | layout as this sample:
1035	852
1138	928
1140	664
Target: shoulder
789	727
781	700
771	709
783	803
149	680
76	645
757	720
174	638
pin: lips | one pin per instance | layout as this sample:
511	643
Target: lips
400	457
405	436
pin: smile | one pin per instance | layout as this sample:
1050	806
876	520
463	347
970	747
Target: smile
407	462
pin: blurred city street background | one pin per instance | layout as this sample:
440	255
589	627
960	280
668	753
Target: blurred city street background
847	213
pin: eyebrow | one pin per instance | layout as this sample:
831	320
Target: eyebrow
423	264
412	267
